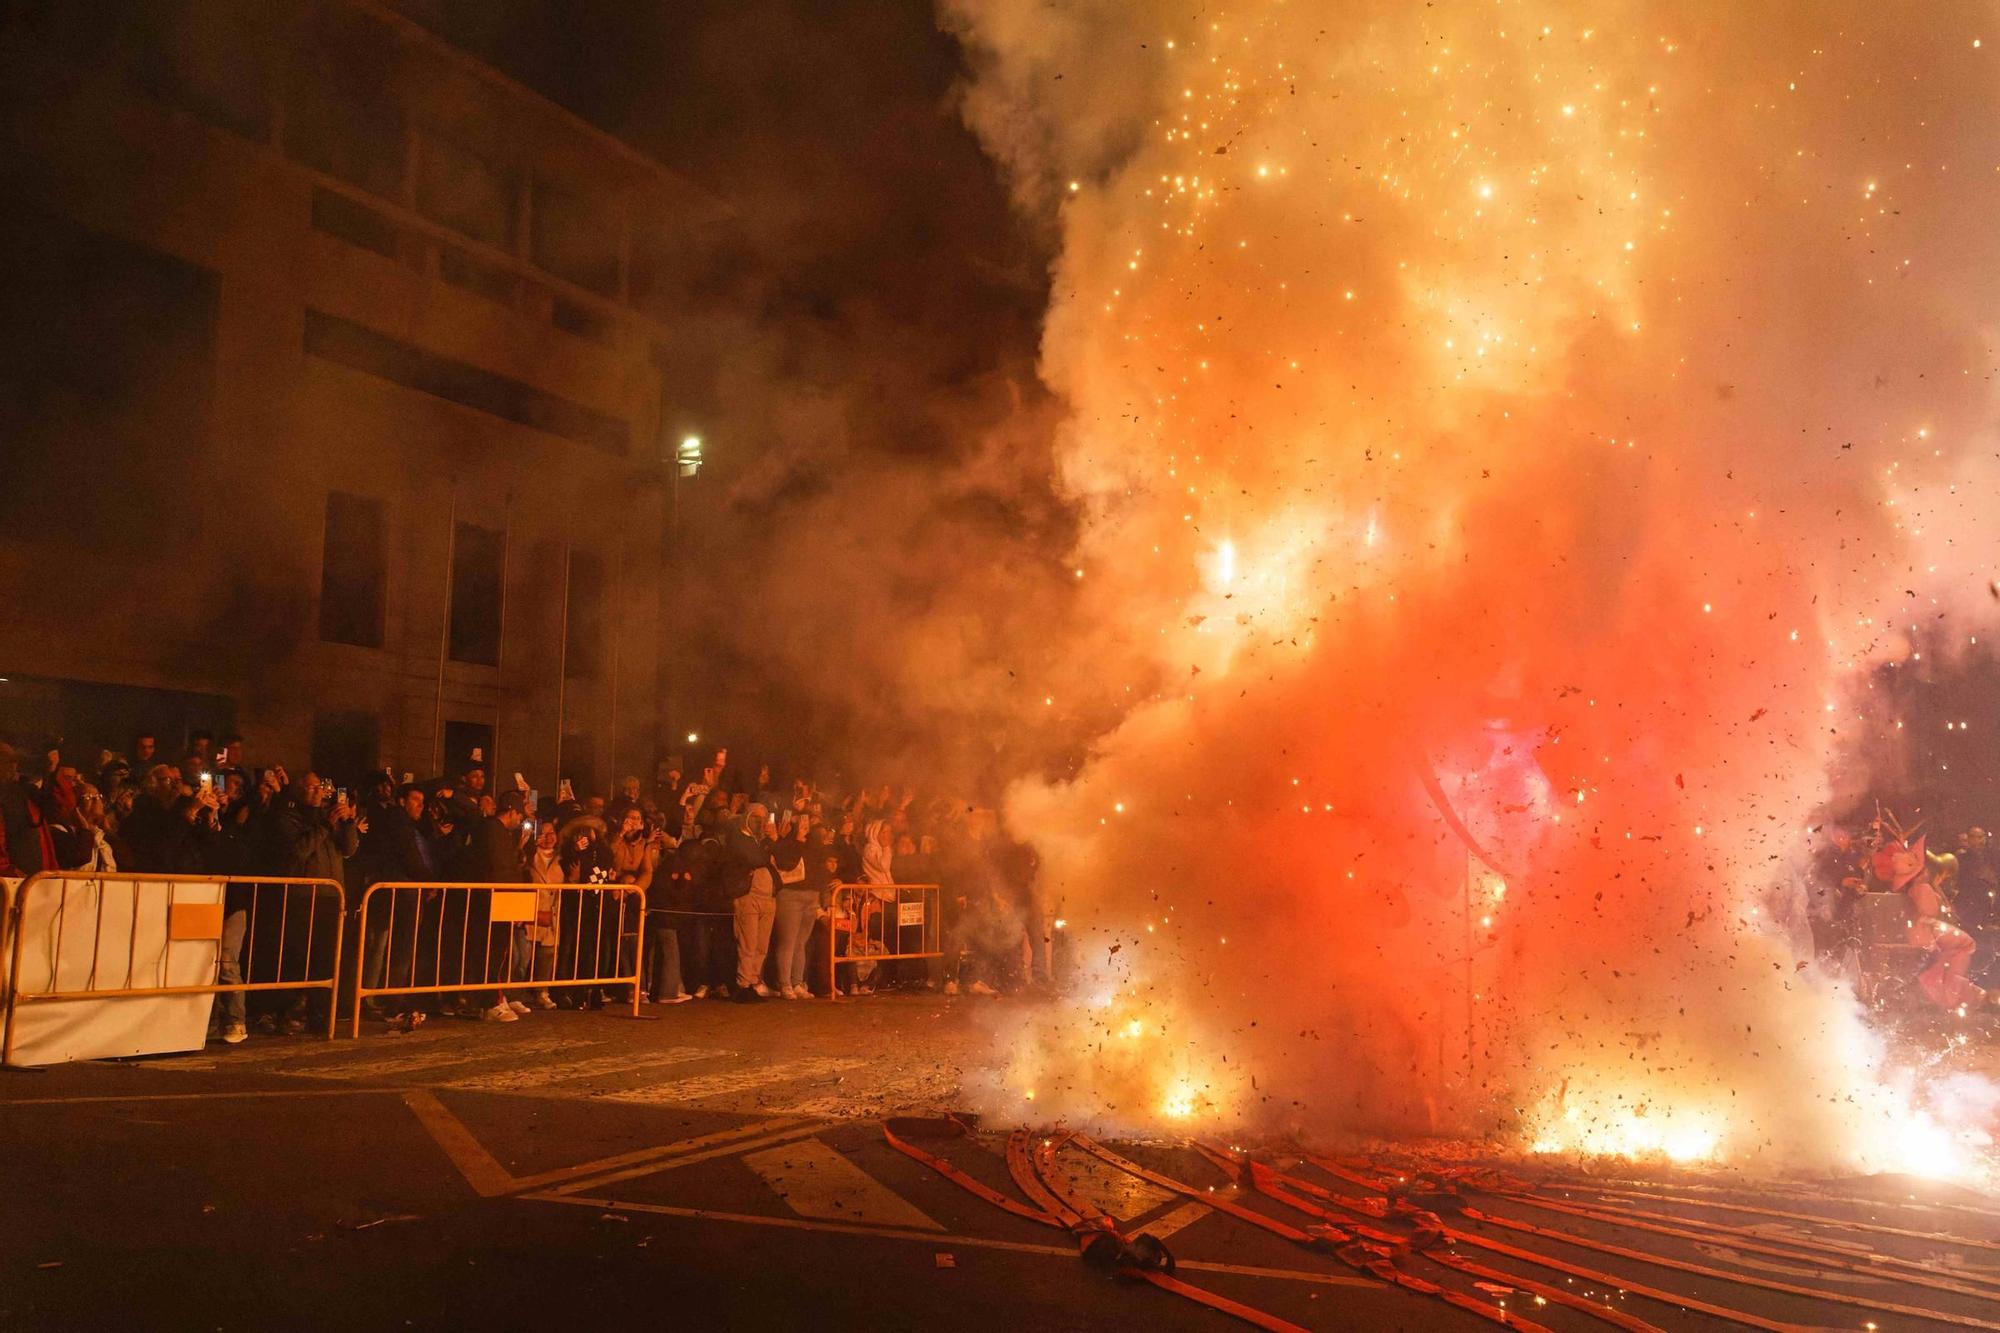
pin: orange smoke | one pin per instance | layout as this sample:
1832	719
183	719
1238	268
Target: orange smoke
1538	399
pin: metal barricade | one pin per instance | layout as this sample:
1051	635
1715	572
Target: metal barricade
882	923
138	932
438	938
7	887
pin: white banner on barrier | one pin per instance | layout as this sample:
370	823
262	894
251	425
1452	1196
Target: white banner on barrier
128	939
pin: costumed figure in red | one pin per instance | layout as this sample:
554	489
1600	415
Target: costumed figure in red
1900	866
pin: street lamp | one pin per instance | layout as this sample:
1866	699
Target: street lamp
678	463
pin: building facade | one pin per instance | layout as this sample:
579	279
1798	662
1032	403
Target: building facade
339	383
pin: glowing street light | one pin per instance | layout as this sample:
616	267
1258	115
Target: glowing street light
688	456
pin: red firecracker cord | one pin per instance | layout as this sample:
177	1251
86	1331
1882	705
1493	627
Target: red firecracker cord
1378	1207
1373	1259
1018	1162
1744	1279
1884	1267
1816	1219
1271	1184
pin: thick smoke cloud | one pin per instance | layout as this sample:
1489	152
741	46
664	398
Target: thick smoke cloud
873	555
1527	417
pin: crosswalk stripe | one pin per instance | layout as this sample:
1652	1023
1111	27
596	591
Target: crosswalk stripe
721	1085
413	1062
1184	1216
816	1181
1116	1192
577	1071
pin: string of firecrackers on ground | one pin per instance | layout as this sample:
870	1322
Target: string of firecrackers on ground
1036	1171
1142	1259
1447	1185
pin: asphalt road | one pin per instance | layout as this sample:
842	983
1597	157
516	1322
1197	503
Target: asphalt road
727	1165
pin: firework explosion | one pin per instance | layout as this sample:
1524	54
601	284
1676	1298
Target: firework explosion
1503	432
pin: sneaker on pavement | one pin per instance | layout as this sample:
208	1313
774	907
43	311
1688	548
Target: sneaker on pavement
682	998
518	1007
720	992
981	988
701	992
499	1013
951	988
764	992
540	999
234	1033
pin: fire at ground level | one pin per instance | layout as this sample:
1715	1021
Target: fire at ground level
782	1165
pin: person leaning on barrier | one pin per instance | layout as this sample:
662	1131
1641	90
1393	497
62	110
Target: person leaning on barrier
635	856
493	856
541	865
798	906
315	830
170	830
397	851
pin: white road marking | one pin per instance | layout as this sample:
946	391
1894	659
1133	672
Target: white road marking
1117	1192
579	1071
815	1181
1184	1216
740	1080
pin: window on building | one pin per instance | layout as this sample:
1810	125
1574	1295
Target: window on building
346	747
341	116
463	271
352	571
579	762
357	224
583	643
465	192
466	744
478	566
574	238
211	60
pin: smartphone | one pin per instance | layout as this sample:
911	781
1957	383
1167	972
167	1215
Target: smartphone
207	781
340	794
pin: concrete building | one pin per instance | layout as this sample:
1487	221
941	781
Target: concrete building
335	374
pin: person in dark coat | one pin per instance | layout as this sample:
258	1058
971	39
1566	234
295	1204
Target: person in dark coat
314	832
397	851
20	835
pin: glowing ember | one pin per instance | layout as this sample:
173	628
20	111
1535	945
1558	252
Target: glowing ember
1468	414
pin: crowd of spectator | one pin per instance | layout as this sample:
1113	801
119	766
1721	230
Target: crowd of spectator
736	873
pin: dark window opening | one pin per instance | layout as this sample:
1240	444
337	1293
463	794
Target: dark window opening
357	224
583	640
211	60
346	747
340	112
352	571
461	270
465	192
358	347
574	238
579	762
466	744
580	320
478	567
